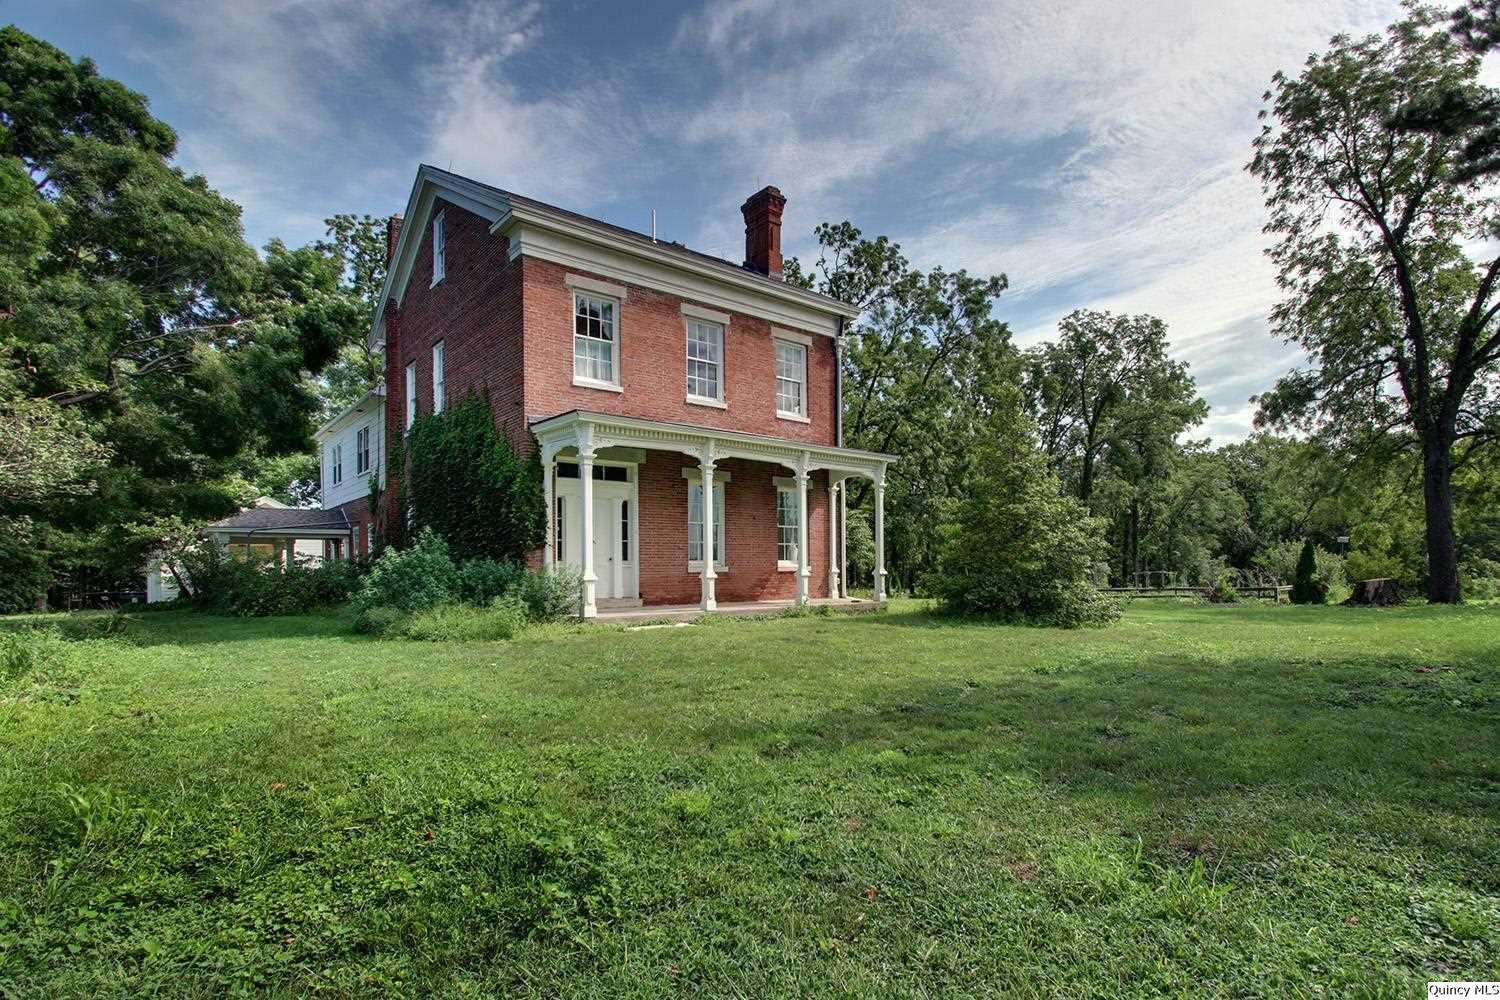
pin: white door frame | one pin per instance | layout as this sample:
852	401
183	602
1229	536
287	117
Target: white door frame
625	584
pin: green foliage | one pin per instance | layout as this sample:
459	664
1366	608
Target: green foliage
1481	579
23	565
1222	590
500	620
922	366
28	651
482	581
551	595
468	484
1307	588
234	583
407	580
1015	547
1281	561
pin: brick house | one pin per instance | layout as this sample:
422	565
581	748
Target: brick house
682	404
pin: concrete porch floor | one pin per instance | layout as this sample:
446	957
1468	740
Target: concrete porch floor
735	609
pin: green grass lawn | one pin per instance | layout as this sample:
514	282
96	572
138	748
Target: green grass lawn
1206	801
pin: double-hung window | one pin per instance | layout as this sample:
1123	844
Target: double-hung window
439	247
439	385
705	361
411	394
695	522
336	465
791	379
787	515
362	451
596	359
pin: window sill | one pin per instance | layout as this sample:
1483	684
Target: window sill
799	418
589	383
718	404
782	566
696	566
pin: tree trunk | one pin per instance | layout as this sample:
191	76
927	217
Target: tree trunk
1442	547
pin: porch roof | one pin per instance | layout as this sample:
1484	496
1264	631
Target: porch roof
588	429
284	522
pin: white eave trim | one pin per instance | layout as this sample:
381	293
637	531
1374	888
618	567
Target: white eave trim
375	396
573	243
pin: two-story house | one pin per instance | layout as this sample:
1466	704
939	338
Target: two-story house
686	408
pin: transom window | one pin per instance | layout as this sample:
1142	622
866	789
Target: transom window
791	379
605	473
595	356
362	451
705	360
695	523
787	514
336	464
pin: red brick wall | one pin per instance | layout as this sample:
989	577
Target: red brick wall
653	364
475	310
358	514
750	545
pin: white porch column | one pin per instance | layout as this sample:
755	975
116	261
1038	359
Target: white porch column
880	536
549	466
707	575
586	536
833	536
803	572
844	538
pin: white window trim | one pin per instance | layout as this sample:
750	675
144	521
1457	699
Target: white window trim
796	340
694	477
368	454
439	376
582	283
439	248
411	395
690	315
789	485
619	353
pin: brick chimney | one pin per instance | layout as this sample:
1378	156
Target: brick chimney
762	211
392	234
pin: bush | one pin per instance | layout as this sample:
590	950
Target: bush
24	574
233	583
482	581
1015	547
1222	591
469	485
378	620
1480	579
551	595
410	580
503	619
1280	560
1307	588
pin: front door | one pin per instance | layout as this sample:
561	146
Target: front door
604	548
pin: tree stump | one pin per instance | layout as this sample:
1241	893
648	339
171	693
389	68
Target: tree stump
1380	593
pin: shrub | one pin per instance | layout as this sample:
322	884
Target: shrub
503	619
551	594
234	583
481	581
1480	579
1307	588
1015	547
1280	560
1222	591
378	620
409	580
24	575
467	483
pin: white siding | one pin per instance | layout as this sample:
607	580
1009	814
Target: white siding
356	484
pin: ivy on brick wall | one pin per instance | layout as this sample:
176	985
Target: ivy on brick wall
466	481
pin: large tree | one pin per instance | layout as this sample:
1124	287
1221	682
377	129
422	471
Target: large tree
130	301
1372	224
1106	379
922	367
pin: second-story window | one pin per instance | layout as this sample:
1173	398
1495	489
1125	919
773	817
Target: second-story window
439	247
362	451
439	386
791	379
411	394
705	361
595	342
336	465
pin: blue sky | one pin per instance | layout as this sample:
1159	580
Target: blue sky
1092	150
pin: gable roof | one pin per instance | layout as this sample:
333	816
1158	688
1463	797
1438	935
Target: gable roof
507	210
282	519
